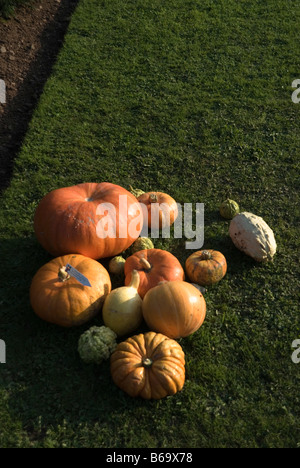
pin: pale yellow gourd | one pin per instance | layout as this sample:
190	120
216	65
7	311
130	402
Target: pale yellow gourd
252	235
122	309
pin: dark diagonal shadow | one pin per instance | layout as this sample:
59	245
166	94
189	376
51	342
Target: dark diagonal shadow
18	111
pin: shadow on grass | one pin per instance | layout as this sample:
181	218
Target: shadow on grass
47	383
46	380
19	110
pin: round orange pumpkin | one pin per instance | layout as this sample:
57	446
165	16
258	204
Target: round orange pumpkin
206	267
150	366
174	308
95	220
58	298
160	209
153	265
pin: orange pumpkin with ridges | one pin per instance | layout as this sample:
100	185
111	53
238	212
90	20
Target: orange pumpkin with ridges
150	366
206	267
60	299
160	209
95	220
153	265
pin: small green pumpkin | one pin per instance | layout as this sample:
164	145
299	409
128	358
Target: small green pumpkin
142	243
116	265
229	208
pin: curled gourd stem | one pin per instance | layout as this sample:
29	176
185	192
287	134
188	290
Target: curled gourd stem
206	255
63	275
147	362
135	280
136	192
145	264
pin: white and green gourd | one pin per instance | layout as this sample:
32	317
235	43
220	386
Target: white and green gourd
253	236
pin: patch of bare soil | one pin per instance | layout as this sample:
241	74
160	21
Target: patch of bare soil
29	45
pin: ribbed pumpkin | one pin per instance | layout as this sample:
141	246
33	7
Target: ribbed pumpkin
153	265
62	300
174	308
150	366
160	209
95	220
206	267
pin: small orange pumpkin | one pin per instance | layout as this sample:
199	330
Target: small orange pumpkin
160	209
153	265
58	298
150	366
174	308
206	267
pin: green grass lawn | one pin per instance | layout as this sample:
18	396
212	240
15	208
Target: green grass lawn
192	98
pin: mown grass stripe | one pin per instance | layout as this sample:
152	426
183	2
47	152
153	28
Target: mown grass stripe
192	98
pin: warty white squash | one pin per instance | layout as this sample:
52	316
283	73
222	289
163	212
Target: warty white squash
253	236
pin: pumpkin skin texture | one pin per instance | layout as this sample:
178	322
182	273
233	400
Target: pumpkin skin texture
206	267
175	308
157	216
149	366
153	265
76	220
66	302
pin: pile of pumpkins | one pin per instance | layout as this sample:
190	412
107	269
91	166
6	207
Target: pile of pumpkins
85	223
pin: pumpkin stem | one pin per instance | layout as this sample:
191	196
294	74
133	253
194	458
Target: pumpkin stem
147	362
135	191
153	198
63	275
206	255
135	279
145	264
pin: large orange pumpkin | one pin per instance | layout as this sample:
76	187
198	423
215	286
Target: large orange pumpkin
148	365
58	298
174	308
153	265
160	209
95	220
206	267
